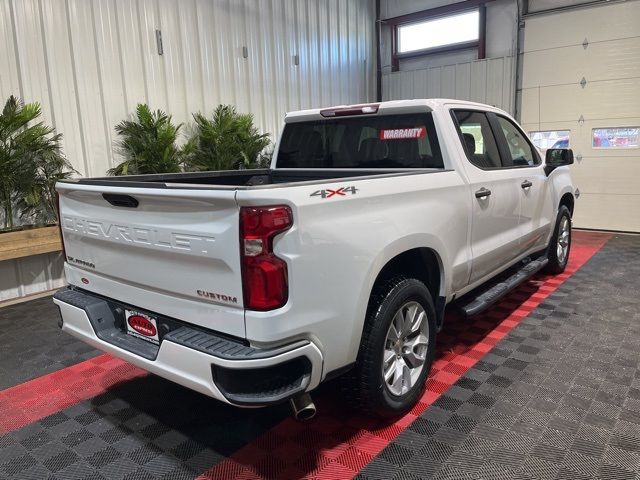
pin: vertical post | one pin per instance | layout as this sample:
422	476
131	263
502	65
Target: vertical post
395	62
482	34
378	54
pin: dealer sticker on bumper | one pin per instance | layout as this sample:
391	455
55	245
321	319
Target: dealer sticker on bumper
142	326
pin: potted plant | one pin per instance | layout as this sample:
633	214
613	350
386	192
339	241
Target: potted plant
31	162
148	143
228	140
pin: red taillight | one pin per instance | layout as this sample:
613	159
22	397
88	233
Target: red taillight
64	253
264	276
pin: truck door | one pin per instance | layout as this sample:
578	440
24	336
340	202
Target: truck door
536	210
495	192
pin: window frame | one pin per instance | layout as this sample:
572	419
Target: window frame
501	142
439	43
429	123
615	148
453	111
433	14
505	146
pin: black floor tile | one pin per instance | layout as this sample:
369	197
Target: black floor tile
554	407
32	343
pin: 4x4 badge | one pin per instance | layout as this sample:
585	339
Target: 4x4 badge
339	192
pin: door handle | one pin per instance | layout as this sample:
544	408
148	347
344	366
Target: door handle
483	193
526	184
118	200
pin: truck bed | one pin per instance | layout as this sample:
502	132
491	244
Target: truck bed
244	179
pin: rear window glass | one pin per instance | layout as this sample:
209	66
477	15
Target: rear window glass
386	141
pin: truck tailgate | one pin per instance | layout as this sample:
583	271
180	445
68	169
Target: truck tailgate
174	252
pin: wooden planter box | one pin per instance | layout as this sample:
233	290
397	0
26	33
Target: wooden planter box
32	241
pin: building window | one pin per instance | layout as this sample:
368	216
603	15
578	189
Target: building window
452	30
621	137
550	139
457	26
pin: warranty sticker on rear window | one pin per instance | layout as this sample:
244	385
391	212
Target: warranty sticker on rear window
403	133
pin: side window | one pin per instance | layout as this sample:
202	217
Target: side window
478	140
521	151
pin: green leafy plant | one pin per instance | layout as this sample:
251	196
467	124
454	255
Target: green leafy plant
148	143
228	140
31	162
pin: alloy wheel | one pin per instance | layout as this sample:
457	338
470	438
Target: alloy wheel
405	348
564	239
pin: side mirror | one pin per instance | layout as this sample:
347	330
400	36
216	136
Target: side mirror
557	157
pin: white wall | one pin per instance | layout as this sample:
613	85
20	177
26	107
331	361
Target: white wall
90	61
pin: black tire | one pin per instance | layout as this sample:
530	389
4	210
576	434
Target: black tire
557	263
364	384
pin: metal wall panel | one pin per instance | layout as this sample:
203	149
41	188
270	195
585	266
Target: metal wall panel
490	81
89	62
30	275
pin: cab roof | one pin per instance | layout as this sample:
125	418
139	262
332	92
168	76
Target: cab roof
388	107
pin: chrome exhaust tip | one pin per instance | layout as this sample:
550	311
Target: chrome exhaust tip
303	407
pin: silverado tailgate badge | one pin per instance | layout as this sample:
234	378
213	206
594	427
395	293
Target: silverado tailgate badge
159	238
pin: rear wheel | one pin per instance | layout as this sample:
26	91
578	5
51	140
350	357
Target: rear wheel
397	348
560	244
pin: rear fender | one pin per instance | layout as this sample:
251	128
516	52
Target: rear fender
390	252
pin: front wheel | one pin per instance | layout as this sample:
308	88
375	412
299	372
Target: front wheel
560	244
397	348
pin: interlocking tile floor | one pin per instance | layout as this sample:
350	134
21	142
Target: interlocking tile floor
546	391
558	397
340	442
142	428
33	345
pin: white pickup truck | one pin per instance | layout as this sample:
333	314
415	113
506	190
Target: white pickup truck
255	286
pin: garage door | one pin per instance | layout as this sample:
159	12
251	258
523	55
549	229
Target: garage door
581	87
